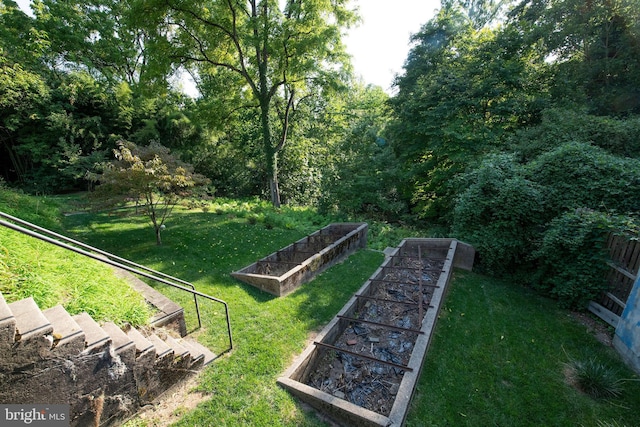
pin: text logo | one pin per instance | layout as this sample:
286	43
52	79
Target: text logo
34	415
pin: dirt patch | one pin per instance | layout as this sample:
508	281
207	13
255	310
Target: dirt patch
601	330
366	362
570	376
171	406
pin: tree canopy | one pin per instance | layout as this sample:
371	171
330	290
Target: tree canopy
515	132
279	56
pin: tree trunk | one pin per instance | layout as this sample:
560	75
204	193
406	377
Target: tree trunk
158	237
273	182
271	155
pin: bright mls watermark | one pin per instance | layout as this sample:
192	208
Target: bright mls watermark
34	415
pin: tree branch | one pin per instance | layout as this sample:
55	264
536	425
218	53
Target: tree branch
231	34
285	122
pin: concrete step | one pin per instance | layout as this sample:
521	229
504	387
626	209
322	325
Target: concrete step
95	338
200	354
121	343
197	357
181	356
7	324
34	335
143	345
164	353
68	336
31	324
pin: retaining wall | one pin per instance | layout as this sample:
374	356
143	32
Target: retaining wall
285	270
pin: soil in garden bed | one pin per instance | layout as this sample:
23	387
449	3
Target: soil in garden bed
366	363
288	258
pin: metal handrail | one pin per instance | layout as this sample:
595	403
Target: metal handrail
116	261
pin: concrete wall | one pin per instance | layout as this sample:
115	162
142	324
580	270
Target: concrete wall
627	336
285	270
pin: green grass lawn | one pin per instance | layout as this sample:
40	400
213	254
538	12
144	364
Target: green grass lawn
497	358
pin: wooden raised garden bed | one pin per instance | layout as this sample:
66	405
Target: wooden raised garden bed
285	270
363	367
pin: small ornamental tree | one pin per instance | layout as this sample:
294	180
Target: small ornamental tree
151	176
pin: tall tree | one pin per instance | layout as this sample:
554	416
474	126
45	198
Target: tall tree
23	96
20	41
97	36
362	173
464	90
280	55
479	12
594	47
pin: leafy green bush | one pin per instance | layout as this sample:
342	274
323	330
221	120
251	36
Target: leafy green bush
572	255
366	185
382	235
500	213
581	175
543	216
561	125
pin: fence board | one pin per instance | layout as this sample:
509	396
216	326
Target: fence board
624	254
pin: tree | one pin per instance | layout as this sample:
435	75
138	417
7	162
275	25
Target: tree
95	36
23	95
593	47
279	56
362	173
480	12
148	174
464	91
20	41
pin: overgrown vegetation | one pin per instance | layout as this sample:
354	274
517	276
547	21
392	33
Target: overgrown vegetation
511	120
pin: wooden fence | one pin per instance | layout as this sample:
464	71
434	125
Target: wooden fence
625	262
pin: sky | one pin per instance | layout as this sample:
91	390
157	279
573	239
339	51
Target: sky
380	43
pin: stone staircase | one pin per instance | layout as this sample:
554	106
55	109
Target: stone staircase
106	373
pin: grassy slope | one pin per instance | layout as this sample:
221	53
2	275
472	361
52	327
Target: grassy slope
51	275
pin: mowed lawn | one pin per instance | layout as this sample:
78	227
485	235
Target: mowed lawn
498	356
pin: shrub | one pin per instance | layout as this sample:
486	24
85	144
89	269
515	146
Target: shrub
581	175
562	125
572	255
500	213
